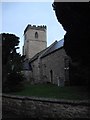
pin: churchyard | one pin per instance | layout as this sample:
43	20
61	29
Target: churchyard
54	91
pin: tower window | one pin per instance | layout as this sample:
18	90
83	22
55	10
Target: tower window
36	35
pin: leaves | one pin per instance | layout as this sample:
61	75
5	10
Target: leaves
12	63
9	41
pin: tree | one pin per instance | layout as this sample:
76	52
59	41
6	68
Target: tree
12	63
75	19
9	42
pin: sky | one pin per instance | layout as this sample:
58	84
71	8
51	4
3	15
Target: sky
17	15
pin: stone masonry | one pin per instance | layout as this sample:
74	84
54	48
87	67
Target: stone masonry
50	68
34	40
32	107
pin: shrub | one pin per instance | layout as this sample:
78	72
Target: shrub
14	82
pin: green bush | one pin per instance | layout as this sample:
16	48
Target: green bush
14	82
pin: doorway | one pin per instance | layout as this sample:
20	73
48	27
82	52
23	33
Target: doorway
51	76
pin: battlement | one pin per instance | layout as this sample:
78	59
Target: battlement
29	26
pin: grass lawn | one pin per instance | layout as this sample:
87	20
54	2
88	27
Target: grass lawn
53	91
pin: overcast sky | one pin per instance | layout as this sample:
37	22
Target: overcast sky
17	15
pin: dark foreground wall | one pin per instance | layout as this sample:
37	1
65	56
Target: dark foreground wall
31	107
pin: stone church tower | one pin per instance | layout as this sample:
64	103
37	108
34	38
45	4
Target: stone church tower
35	40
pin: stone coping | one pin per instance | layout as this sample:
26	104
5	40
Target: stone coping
51	100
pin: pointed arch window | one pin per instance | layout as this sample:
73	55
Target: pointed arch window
36	34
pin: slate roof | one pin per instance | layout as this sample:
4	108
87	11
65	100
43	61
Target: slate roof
26	65
56	46
52	48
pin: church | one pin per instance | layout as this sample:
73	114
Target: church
46	64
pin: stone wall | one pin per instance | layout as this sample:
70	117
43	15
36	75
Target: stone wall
50	68
35	73
28	75
32	107
54	62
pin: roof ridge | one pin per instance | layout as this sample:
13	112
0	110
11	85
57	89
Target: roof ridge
43	52
54	44
48	48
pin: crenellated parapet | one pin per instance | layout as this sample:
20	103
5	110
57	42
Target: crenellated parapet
41	27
